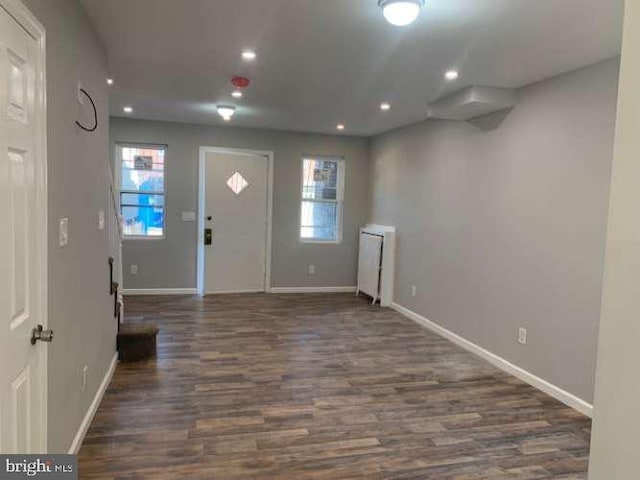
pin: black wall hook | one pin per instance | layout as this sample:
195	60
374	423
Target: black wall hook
95	114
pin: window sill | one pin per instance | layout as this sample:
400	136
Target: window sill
142	237
322	242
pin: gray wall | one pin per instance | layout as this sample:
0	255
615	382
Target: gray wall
171	262
80	308
501	224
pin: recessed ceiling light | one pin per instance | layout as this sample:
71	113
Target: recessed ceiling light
236	94
109	81
340	126
401	12
128	109
451	75
226	111
385	106
249	55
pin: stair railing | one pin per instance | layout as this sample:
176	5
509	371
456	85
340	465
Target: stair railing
115	252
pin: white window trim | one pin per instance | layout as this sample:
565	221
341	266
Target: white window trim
118	153
339	198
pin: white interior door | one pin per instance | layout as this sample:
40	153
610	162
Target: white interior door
235	209
22	237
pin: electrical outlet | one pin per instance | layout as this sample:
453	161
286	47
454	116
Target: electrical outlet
134	269
522	336
414	290
312	269
85	376
64	231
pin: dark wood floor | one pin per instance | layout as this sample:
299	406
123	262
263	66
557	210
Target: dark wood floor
319	387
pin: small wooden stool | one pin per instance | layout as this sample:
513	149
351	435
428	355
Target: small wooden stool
137	341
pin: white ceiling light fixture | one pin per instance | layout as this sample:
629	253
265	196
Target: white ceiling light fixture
128	109
401	12
226	111
237	94
340	126
385	106
109	81
249	55
451	75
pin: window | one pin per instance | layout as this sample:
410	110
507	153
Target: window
142	190
322	196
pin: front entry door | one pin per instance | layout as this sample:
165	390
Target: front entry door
22	236
235	213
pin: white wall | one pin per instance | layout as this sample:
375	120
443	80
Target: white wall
80	307
501	224
616	429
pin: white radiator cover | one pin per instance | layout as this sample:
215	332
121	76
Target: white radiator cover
376	263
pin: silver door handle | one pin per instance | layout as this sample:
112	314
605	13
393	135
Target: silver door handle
39	334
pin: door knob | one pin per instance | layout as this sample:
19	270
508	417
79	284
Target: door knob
39	334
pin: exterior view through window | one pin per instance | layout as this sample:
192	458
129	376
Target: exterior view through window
322	197
142	190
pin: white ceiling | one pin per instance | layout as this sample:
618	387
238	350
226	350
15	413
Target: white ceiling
323	62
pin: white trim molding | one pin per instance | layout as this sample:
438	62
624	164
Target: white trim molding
339	200
550	389
312	290
159	291
93	408
232	292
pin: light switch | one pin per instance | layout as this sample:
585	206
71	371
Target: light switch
64	231
101	220
188	216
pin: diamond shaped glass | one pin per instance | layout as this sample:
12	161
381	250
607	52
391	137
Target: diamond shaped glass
237	183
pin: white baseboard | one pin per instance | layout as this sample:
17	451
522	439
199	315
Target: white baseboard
193	291
231	292
312	290
556	392
93	408
159	291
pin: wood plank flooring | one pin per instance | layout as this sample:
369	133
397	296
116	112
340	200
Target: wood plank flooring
319	387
